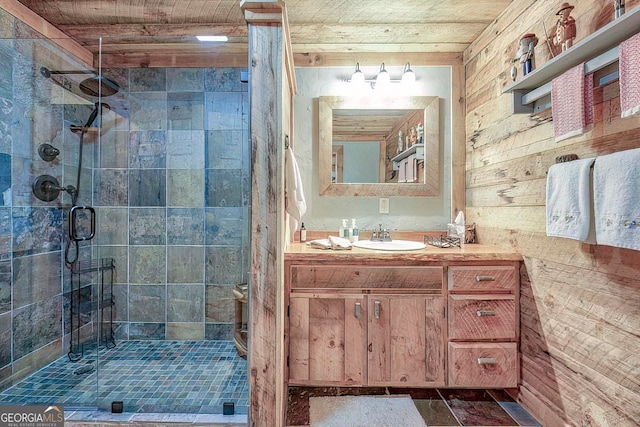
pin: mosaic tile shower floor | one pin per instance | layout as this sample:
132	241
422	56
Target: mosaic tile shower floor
194	377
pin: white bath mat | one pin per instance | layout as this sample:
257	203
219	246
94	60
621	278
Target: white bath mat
364	411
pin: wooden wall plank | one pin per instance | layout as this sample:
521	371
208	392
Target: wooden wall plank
27	16
579	302
340	59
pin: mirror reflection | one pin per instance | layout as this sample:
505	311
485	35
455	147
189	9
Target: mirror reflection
373	146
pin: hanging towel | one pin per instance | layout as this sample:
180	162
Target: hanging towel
402	170
629	65
616	189
410	169
572	103
295	204
569	200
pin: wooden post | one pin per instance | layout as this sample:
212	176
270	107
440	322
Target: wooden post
270	93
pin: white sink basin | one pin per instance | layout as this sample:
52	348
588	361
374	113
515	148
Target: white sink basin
394	245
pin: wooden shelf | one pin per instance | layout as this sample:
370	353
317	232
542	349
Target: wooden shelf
599	48
417	149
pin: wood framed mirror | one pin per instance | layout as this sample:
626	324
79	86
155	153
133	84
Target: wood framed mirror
407	130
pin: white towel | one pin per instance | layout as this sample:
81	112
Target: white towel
332	242
295	204
569	200
402	170
616	188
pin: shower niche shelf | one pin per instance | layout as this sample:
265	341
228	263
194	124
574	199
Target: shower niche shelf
91	302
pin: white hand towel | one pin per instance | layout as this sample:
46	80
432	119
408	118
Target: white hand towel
616	188
569	200
295	204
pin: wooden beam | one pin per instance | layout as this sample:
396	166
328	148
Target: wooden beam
461	33
143	60
88	32
52	33
341	59
458	139
268	118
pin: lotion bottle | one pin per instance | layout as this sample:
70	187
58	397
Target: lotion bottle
343	231
303	233
354	230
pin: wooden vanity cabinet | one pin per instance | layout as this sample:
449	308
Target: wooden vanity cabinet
406	346
483	326
438	324
327	339
364	325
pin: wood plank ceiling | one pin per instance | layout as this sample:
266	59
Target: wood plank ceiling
139	32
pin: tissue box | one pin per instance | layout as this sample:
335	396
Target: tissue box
454	230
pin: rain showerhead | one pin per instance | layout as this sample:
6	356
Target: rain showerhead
93	86
96	86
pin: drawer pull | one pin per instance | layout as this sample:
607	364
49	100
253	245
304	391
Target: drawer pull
376	309
483	313
357	310
485	278
487	361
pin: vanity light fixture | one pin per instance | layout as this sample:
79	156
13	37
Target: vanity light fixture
212	38
383	79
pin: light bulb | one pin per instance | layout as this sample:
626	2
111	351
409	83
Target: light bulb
357	78
384	79
408	76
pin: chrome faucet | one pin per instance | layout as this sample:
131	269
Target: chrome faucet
381	235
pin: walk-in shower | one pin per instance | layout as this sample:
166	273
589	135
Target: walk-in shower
107	247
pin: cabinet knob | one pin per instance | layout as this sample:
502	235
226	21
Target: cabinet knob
487	361
485	278
357	310
482	313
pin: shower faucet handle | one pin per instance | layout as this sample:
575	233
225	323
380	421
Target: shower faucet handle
48	152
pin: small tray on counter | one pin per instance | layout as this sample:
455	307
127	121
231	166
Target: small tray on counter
442	241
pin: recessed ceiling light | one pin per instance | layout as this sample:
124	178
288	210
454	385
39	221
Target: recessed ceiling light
212	38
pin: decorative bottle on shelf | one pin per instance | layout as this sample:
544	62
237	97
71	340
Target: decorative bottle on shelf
619	8
400	142
303	233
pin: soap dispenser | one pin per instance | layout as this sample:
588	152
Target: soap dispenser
343	231
354	231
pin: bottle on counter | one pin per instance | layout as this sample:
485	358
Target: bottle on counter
343	231
303	233
354	231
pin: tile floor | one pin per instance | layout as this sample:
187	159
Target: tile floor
193	377
438	407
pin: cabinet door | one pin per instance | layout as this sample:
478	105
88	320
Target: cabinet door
406	340
327	339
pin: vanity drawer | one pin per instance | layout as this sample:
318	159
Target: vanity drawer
490	365
364	277
479	278
488	317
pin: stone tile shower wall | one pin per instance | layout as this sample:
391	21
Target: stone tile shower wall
34	286
173	200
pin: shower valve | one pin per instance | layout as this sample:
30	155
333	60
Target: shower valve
47	188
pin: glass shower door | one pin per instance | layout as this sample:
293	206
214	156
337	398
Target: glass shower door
42	299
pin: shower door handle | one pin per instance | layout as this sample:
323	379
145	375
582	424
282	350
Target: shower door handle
73	219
